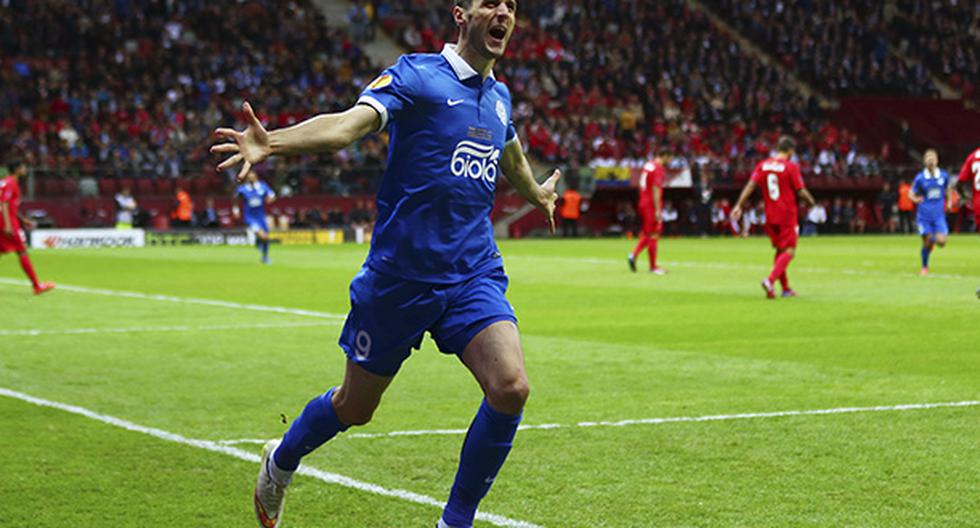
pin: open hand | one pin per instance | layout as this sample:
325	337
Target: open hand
249	147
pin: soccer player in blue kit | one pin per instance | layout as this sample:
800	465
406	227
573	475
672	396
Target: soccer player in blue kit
929	192
433	264
255	194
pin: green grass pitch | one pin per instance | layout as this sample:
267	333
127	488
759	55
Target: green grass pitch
602	344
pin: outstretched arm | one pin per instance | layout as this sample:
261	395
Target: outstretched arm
325	132
746	192
518	172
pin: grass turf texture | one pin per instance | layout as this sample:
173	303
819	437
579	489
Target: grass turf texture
601	344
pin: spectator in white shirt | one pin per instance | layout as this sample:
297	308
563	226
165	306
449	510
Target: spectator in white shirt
817	215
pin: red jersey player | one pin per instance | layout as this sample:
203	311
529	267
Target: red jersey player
781	181
970	177
11	239
650	205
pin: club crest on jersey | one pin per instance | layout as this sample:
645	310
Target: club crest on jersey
502	112
380	82
475	161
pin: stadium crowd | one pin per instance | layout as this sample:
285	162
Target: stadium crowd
121	88
857	48
612	82
133	88
843	48
943	35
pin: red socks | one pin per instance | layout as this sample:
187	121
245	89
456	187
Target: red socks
25	263
783	279
779	269
650	244
641	245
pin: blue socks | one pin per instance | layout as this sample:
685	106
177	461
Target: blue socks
925	256
315	425
264	248
487	444
485	449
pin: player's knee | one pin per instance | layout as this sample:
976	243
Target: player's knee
509	396
354	416
353	413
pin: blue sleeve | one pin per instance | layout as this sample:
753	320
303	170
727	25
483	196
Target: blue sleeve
238	191
393	91
511	129
917	185
267	191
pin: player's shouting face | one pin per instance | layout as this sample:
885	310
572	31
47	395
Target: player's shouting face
485	25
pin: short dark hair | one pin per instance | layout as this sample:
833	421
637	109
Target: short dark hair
13	164
465	4
785	144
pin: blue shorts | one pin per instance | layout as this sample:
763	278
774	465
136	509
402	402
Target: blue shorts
256	225
389	315
932	226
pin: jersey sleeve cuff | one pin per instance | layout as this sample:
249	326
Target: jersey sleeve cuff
378	107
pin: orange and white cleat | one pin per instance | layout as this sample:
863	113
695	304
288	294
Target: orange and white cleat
924	272
43	287
270	493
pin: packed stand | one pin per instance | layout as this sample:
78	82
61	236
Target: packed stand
945	36
612	82
842	48
132	89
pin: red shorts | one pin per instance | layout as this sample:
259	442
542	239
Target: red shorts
783	236
12	243
651	225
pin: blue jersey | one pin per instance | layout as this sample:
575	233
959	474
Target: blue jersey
931	186
447	128
253	197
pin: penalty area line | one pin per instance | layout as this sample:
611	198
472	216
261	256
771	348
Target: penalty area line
216	447
656	421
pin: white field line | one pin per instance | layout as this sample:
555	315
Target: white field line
742	267
656	421
330	478
186	300
173	328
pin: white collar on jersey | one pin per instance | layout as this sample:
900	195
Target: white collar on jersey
460	66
